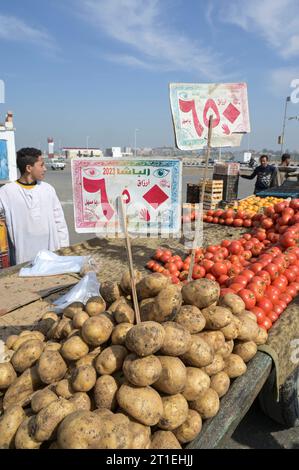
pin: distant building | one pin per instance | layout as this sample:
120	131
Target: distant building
114	152
77	152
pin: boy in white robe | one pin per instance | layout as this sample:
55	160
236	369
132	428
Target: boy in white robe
33	213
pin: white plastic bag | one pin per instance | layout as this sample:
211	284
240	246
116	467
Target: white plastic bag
47	263
86	288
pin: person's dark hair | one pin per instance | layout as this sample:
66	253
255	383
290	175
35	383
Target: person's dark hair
27	156
264	156
285	156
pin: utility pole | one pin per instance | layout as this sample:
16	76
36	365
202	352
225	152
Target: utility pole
288	99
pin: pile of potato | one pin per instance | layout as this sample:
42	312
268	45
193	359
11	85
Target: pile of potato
91	379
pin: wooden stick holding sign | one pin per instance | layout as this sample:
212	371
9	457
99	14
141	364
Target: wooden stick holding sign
202	195
130	257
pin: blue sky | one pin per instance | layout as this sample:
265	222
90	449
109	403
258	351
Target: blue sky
101	68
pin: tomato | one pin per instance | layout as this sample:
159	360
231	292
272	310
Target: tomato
247	223
227	263
226	290
273	316
222	279
265	276
241	280
210	276
266	257
175	280
295	284
294	204
292	291
286	298
198	272
217	258
272	269
208	255
261	234
247	254
266	305
272	294
159	252
224	251
248	274
277	308
290	275
259	313
291	258
288	239
281	263
150	264
218	213
257	290
238	223
218	269
209	219
266	324
247	236
234	259
229	221
269	211
236	287
248	297
165	258
234	270
160	269
229	213
183	275
256	267
186	266
213	249
279	207
225	243
235	248
207	264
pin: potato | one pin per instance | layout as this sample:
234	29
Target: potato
177	339
37	334
83	378
113	307
110	291
64	389
226	349
21	390
231	330
142	371
202	293
217	317
119	333
124	313
148	309
191	318
97	330
125	282
52	330
167	304
141	435
79	319
110	360
41	399
196	382
248	330
78	430
50	315
234	366
246	350
142	403
72	309
23	339
51	367
47	420
145	338
190	428
220	382
207	404
250	315
261	337
81	401
63	329
10	341
114	434
233	302
105	391
151	286
74	348
165	440
95	306
52	346
9	423
199	354
27	355
216	366
24	437
173	376
103	412
215	339
46	322
7	375
90	358
175	412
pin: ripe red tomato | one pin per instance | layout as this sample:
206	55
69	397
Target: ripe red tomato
290	275
278	309
292	291
175	280
241	280
248	297
218	257
225	243
207	264
235	248
272	269
295	284
291	258
183	275
227	263
198	272
238	223
266	324
229	213
265	276
280	283
286	298
225	291
186	266
234	270
222	279
272	293
247	223
236	287
281	304
213	248
279	207
257	290
247	236
218	269
229	221
248	274
294	204
165	258
247	254
159	252
266	305
259	313
210	276
208	255
273	316
267	223
224	251
256	267
150	264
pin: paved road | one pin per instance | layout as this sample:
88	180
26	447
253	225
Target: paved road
256	430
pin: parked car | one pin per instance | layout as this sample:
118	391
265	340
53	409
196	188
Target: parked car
57	165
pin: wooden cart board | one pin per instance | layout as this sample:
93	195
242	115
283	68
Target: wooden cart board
23	291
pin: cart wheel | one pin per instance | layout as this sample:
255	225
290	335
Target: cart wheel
286	410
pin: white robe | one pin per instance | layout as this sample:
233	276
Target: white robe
34	218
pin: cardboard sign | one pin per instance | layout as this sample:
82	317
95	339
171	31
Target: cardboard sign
151	190
193	103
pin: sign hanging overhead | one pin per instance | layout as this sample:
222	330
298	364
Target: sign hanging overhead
193	103
151	190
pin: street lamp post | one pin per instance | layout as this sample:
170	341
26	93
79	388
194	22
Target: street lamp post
135	147
87	143
288	98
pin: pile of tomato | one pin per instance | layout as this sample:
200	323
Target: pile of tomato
262	267
230	217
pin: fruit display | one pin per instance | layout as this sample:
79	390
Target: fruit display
261	267
254	204
92	379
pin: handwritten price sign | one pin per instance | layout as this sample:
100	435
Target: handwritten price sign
151	190
193	103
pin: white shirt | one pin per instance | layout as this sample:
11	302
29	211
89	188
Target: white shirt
34	219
